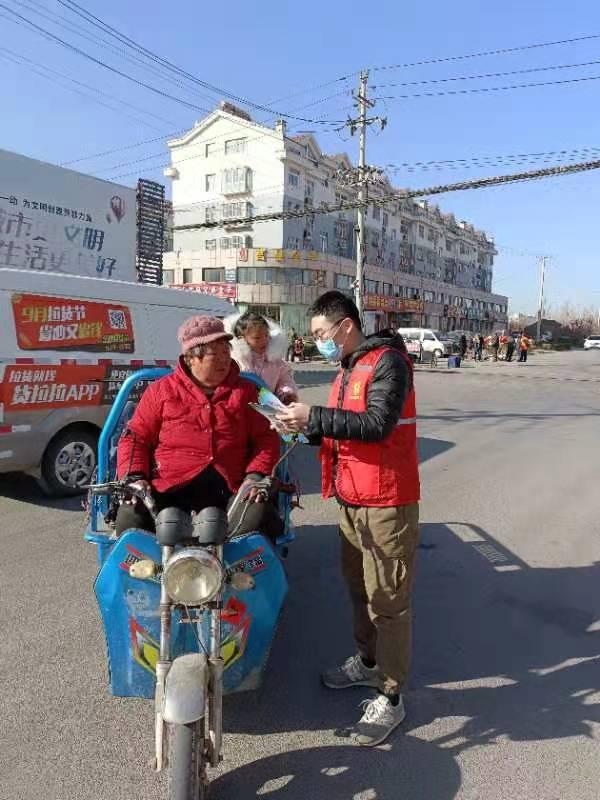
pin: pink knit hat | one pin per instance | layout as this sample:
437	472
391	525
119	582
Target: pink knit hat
201	330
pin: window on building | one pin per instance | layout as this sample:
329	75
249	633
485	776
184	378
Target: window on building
210	244
272	312
394	234
387	289
343	281
236	210
246	275
168	276
376	212
385	220
211	183
421	231
342	228
236	179
324	242
188	275
213	275
374	238
430	235
237	242
309	189
449	246
225	243
294	178
372	287
429	297
211	213
211	148
235	146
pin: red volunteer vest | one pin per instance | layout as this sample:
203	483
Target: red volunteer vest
376	474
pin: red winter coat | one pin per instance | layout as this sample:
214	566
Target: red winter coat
177	431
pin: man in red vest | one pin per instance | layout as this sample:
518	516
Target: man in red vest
369	463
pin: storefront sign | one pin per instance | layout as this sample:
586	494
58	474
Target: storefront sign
376	302
60	323
226	291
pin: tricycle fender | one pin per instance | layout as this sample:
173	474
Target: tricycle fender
184	699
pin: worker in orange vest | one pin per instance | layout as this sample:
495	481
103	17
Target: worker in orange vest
524	345
369	464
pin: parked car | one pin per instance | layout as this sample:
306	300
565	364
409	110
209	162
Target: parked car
592	343
431	341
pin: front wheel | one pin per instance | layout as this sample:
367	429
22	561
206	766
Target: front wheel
438	353
187	762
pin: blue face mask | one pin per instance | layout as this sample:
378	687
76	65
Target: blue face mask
329	349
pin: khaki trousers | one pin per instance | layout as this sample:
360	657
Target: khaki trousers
379	547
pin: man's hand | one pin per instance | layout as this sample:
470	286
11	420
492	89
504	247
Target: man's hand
295	417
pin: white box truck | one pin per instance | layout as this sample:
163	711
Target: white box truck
67	342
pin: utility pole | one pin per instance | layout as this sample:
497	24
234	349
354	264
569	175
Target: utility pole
362	191
541	303
360	178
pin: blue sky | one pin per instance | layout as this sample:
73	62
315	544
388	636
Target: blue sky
268	51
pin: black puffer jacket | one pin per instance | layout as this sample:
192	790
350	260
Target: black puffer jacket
385	399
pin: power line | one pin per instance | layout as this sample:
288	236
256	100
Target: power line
488	75
219	91
99	62
489	89
399	195
486	161
481	54
64	23
29	62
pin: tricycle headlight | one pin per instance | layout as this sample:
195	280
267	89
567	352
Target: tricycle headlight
193	577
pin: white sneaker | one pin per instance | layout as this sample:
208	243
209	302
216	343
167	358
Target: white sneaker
379	719
351	673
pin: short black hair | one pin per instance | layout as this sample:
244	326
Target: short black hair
249	320
335	305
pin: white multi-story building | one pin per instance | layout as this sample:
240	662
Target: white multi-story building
423	267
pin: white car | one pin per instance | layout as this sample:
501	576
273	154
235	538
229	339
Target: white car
592	343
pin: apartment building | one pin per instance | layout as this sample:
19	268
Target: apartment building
423	267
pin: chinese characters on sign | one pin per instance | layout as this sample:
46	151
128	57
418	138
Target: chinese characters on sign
375	302
28	388
226	291
50	323
55	220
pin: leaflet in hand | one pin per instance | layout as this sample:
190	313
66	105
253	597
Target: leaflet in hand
269	405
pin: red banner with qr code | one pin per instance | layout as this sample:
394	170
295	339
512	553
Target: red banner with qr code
62	323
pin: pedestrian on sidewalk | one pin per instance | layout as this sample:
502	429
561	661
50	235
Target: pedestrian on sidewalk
463	346
290	350
524	345
510	348
369	464
478	346
299	348
493	345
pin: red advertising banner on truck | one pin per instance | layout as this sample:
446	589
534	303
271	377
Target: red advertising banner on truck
60	323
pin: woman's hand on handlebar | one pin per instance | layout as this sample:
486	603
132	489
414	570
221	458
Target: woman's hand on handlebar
141	491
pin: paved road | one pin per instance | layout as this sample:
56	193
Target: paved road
504	700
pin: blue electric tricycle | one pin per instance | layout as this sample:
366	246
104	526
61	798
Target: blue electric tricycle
189	613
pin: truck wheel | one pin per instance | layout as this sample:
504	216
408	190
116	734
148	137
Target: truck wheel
438	353
69	462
